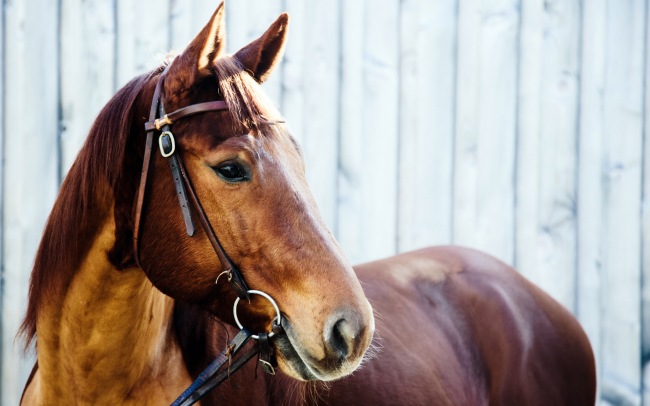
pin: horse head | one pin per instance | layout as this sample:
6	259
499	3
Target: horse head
249	175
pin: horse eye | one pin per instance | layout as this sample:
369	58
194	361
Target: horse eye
231	172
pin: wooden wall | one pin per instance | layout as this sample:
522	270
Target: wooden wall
514	126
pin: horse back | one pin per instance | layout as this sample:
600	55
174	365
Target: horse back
456	326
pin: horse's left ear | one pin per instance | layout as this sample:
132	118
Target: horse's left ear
200	54
262	55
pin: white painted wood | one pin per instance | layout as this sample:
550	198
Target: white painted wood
247	20
645	233
187	18
622	163
143	37
485	126
87	70
529	129
294	73
426	132
30	165
351	128
369	158
547	159
590	176
320	98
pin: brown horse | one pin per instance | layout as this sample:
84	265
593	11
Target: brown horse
115	326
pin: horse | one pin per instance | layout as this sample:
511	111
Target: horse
129	302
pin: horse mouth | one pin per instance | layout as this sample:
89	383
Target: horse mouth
288	357
299	365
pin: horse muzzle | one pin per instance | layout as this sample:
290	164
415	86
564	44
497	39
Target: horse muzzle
345	338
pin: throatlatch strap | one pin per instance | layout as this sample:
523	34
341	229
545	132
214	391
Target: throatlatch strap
199	387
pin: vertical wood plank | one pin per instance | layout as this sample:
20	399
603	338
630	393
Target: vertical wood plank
590	176
427	93
547	156
351	128
294	74
31	165
645	228
622	162
187	18
246	21
485	126
143	38
3	286
320	138
87	69
368	213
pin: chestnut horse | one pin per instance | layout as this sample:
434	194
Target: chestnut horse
116	326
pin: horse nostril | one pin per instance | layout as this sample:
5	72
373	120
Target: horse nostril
340	338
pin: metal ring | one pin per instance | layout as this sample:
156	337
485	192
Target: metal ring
278	318
173	141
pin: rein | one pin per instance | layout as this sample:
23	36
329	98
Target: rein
160	121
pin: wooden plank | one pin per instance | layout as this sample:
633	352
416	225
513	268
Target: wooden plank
143	38
320	121
547	157
294	74
645	230
246	21
349	231
590	177
485	126
31	165
87	69
369	157
187	18
427	92
622	162
2	180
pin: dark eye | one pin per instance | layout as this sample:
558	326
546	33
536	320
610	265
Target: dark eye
232	172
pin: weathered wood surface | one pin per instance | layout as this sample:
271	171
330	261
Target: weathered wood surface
516	127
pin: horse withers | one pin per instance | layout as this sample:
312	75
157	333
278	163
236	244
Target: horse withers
123	302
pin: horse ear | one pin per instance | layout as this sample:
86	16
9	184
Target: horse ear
262	55
196	59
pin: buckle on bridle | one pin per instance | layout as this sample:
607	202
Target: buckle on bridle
167	144
159	123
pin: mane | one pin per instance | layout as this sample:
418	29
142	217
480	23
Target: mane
248	104
95	184
84	201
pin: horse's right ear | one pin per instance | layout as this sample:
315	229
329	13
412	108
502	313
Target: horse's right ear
200	54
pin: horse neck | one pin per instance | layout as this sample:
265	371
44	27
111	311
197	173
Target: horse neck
109	338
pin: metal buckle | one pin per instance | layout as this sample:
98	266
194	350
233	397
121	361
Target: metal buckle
278	318
159	123
171	140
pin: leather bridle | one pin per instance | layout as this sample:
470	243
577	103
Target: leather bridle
161	122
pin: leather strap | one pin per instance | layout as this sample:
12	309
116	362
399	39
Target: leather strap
168	149
171	118
146	161
182	182
197	390
234	275
266	352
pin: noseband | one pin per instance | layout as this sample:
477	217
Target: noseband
161	122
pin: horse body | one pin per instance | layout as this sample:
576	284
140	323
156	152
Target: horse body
126	317
454	327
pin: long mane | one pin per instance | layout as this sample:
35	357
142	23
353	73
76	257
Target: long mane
83	202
